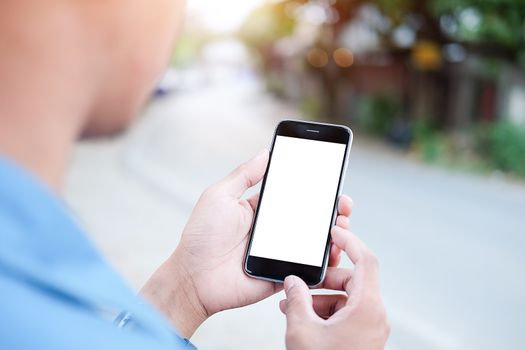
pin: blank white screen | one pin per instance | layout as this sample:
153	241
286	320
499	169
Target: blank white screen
299	195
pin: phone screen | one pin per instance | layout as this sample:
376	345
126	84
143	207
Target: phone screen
296	208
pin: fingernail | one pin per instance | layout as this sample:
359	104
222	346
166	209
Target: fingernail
283	304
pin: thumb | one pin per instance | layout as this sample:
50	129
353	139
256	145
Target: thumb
246	175
298	300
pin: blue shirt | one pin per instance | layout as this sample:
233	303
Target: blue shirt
56	291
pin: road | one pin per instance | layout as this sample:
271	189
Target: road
451	245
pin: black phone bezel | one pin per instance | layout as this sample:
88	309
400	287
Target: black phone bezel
277	270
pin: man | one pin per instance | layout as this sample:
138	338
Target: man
70	68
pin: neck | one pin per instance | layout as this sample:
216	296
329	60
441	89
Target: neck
43	94
41	145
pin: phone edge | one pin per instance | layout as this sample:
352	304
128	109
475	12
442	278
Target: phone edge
334	214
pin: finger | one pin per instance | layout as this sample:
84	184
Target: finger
325	305
349	243
337	278
335	256
245	176
254	201
342	222
345	205
365	277
298	300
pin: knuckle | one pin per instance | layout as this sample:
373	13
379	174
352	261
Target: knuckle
342	221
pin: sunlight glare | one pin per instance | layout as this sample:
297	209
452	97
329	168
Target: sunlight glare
222	16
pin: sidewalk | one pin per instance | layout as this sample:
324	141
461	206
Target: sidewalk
450	243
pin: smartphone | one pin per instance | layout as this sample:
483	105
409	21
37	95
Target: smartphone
297	206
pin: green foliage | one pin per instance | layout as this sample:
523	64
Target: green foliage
395	9
521	58
434	148
189	46
504	144
266	24
377	113
430	143
499	145
422	129
491	68
500	21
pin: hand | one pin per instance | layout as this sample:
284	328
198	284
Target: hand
354	320
204	275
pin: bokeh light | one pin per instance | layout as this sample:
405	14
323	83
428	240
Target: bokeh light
343	57
317	57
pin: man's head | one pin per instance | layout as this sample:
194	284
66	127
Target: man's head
109	52
136	38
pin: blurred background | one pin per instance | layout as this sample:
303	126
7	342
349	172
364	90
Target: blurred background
435	93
